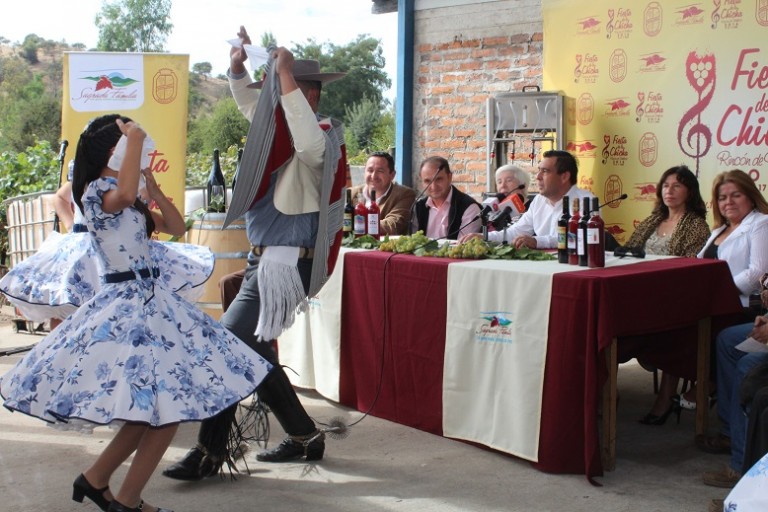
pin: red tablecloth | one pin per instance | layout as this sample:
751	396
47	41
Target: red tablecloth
399	364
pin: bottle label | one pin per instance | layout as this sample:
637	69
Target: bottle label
359	225
580	248
571	241
593	236
347	225
562	240
373	225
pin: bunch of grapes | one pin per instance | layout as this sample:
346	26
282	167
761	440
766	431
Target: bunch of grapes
405	244
474	248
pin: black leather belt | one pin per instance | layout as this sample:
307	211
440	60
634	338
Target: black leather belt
129	275
79	228
304	252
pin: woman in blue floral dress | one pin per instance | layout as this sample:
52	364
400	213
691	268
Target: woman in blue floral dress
137	354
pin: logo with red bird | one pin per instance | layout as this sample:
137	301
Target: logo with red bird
114	80
495	328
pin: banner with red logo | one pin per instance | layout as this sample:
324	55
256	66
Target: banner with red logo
151	89
655	84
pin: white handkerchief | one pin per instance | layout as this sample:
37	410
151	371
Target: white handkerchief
257	55
752	345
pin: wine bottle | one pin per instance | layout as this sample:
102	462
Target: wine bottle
573	228
361	217
596	237
581	235
237	169
373	217
562	232
217	191
349	214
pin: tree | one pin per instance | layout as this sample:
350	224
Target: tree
202	68
362	60
360	122
223	128
134	25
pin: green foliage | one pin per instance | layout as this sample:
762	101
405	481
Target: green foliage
29	48
382	138
199	166
134	25
224	127
362	60
202	68
360	121
34	170
28	110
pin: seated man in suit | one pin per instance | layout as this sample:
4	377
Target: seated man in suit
395	201
445	211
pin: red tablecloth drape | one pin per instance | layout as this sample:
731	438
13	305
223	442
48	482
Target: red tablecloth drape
399	364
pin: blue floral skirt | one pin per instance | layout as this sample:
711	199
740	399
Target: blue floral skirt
135	352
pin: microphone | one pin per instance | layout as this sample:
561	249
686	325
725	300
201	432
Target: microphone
511	206
491	204
63	150
620	198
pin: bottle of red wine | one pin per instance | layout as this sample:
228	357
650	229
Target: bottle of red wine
217	191
349	214
562	232
361	217
581	235
373	216
573	229
596	237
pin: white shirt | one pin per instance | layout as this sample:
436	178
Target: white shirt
539	221
746	252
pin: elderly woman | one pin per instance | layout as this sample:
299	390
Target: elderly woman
509	177
677	226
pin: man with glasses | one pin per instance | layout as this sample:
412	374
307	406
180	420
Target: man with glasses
395	201
537	227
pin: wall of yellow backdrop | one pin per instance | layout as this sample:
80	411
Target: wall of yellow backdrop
150	88
653	84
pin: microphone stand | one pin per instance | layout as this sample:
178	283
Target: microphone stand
62	153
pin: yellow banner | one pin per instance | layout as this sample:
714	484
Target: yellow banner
151	89
655	84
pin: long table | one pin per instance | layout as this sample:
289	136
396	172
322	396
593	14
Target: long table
393	332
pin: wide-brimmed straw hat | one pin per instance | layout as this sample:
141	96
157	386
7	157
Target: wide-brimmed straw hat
306	70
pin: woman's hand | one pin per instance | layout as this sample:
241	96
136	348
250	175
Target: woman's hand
153	189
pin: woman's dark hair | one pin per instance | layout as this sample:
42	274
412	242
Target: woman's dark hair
92	155
694	203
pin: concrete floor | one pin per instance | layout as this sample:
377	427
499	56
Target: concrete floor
380	466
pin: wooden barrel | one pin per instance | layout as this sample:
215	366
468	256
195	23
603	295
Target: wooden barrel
30	221
230	249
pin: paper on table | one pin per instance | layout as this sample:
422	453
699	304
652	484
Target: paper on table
752	345
257	55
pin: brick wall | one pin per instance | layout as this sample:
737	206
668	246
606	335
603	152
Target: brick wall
495	47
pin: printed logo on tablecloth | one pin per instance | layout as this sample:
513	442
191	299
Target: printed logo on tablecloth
653	16
726	14
496	327
105	82
619	23
691	14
